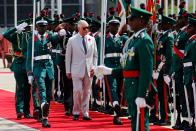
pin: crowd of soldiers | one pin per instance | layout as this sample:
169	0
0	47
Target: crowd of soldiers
172	43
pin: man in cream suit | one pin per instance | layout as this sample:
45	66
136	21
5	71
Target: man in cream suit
81	58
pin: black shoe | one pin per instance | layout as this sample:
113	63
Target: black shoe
45	109
153	119
28	116
162	122
117	121
177	126
68	112
45	123
185	125
19	115
75	117
87	118
95	106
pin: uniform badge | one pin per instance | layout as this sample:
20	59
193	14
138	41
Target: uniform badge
160	45
49	45
131	53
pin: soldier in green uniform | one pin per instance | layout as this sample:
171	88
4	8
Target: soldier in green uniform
177	66
188	70
42	69
113	52
16	36
164	53
137	66
95	25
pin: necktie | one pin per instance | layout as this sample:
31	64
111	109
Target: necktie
42	38
84	44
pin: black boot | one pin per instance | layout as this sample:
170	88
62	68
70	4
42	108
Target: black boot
117	121
45	123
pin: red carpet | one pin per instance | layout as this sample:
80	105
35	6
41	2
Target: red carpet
59	121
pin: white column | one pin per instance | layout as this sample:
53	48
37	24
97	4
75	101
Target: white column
59	6
15	13
42	4
194	4
172	7
166	7
83	6
178	6
52	9
38	8
187	5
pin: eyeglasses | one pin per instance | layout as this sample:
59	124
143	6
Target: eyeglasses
84	28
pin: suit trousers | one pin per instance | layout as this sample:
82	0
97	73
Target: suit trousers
81	94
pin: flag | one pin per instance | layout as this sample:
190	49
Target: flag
151	7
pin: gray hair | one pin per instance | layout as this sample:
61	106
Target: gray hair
82	22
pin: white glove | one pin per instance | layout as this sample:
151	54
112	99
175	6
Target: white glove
167	79
98	74
62	32
160	66
140	102
104	70
21	27
30	79
155	75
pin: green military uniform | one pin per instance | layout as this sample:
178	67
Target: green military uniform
188	67
18	67
94	27
164	53
137	68
177	68
42	69
113	52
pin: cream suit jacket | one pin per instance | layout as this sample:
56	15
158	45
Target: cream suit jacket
77	62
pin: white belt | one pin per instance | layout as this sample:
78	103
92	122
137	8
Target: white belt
182	51
56	51
187	64
113	55
42	57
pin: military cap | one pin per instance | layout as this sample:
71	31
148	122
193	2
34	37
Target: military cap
41	22
71	20
168	20
93	22
192	21
136	12
113	20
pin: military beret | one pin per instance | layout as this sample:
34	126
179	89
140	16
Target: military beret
113	20
192	21
136	12
93	22
168	20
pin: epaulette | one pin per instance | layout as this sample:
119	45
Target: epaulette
193	37
141	35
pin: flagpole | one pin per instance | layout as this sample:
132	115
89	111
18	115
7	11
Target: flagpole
33	32
15	13
103	34
194	4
